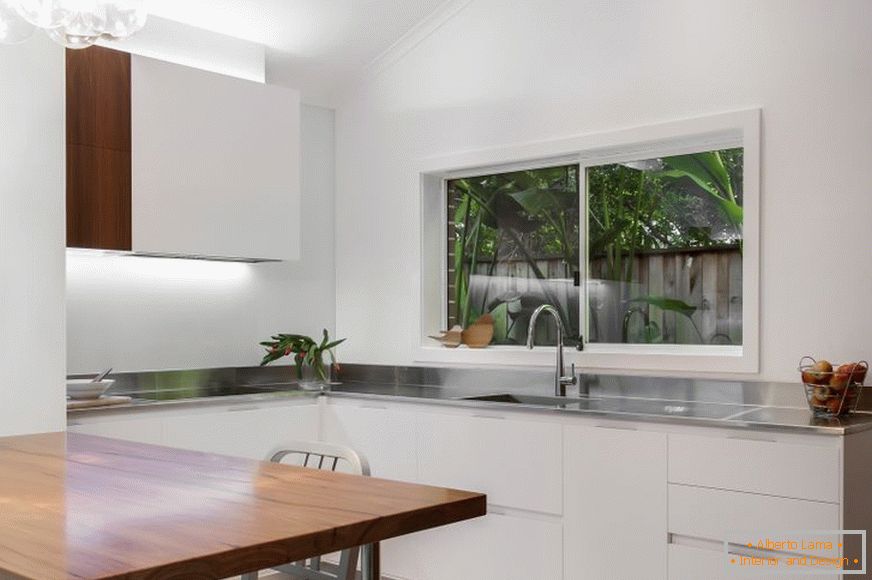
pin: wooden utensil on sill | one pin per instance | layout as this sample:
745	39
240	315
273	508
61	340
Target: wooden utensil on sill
480	333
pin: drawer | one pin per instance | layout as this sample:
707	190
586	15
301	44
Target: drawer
783	468
517	462
497	546
715	514
690	563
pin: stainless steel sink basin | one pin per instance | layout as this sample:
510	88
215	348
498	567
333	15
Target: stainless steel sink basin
533	400
621	405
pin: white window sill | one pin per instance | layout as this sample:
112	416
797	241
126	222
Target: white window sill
630	357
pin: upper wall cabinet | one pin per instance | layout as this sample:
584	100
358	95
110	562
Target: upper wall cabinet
213	161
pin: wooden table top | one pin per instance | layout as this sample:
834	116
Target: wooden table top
78	506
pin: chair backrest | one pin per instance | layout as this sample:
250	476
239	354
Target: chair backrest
318	455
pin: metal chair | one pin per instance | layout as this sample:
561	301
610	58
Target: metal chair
317	455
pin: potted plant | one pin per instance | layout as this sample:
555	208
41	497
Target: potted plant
308	356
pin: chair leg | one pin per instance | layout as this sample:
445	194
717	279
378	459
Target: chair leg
369	562
249	576
348	564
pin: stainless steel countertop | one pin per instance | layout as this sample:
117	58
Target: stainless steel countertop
674	411
736	405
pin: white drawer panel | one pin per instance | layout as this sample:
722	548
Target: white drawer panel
715	514
495	547
773	467
689	563
518	463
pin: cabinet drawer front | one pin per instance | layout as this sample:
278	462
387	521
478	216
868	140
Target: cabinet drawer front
689	563
517	463
786	469
715	514
385	437
614	487
497	546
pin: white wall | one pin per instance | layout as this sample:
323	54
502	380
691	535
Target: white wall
194	47
502	73
139	313
32	237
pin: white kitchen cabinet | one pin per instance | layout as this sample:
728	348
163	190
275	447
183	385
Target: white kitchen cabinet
498	546
715	514
569	497
693	563
146	428
215	164
514	459
250	431
384	436
793	466
615	503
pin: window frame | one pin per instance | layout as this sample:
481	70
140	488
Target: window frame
736	129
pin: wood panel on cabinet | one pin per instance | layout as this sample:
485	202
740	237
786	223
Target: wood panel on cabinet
98	198
98	98
99	158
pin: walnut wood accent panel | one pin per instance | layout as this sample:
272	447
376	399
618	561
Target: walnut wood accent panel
98	181
98	149
77	506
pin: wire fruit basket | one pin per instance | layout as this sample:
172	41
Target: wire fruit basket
832	392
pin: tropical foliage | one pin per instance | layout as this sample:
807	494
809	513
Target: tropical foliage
526	215
671	203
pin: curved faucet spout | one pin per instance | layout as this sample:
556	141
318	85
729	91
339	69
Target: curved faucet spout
560	377
531	330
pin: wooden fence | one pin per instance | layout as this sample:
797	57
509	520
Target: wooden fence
710	280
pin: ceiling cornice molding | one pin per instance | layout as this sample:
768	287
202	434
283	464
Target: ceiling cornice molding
415	36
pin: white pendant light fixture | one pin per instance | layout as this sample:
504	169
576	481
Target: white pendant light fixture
72	23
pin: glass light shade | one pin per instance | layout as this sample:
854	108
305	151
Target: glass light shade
79	33
124	17
13	28
44	13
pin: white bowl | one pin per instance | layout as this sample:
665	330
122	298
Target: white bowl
86	389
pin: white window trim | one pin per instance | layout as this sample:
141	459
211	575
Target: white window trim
734	129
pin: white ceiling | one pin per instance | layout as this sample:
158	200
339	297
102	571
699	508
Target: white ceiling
314	45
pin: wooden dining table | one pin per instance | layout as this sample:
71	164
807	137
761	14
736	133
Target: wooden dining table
79	506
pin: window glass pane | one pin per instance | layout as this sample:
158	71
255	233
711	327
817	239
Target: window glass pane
513	242
665	250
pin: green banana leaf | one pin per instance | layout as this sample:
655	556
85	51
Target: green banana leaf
669	304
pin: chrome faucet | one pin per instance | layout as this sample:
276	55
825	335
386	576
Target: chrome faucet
560	378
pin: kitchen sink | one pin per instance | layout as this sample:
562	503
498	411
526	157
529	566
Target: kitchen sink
620	405
532	400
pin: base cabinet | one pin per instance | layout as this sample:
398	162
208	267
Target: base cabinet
248	431
615	498
139	430
384	436
691	563
568	498
499	545
244	431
